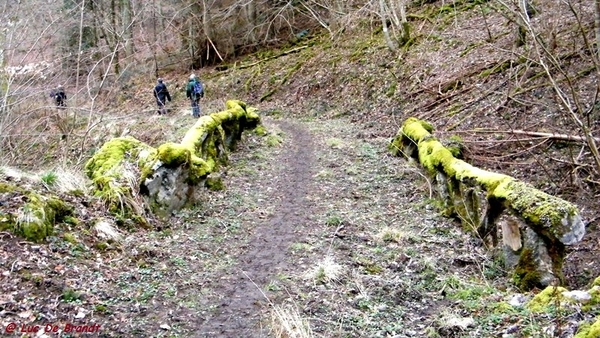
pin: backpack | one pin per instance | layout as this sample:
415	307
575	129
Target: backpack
198	89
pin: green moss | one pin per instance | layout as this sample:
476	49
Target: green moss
70	295
69	237
106	162
502	308
545	213
102	246
434	156
589	331
123	162
594	301
6	188
214	183
77	193
550	296
416	129
114	171
7	221
260	131
391	91
455	145
71	220
596	282
37	217
526	276
101	308
173	155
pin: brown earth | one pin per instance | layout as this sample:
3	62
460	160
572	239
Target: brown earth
264	256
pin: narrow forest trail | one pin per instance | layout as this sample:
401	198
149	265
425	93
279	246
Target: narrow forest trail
318	227
288	186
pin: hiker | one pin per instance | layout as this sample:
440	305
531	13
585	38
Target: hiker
194	91
161	94
59	96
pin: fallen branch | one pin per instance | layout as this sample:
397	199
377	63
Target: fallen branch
293	50
553	136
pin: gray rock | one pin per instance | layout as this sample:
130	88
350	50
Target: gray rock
578	296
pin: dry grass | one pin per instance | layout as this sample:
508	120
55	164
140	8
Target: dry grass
68	180
389	234
286	322
326	271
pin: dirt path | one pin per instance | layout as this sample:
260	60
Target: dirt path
239	311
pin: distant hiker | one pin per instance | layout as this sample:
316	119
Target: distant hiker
194	91
59	96
161	94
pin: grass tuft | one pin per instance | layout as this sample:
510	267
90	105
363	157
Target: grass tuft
49	179
286	322
326	271
389	234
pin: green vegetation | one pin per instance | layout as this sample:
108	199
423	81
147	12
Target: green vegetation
49	178
549	297
589	331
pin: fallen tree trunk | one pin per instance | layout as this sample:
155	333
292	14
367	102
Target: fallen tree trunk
560	137
136	180
482	200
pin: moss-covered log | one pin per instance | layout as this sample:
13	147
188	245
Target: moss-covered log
125	169
555	221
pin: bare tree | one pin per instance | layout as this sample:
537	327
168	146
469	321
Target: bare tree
383	12
393	15
597	10
128	25
565	90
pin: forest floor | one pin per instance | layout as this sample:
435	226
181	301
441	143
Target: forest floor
320	232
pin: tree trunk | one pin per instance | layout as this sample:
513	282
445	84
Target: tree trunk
127	27
392	45
114	19
79	46
597	3
207	27
405	26
250	10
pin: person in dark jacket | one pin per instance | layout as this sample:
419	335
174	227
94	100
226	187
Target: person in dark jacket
194	91
161	94
59	97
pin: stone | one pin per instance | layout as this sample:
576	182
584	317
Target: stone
582	297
